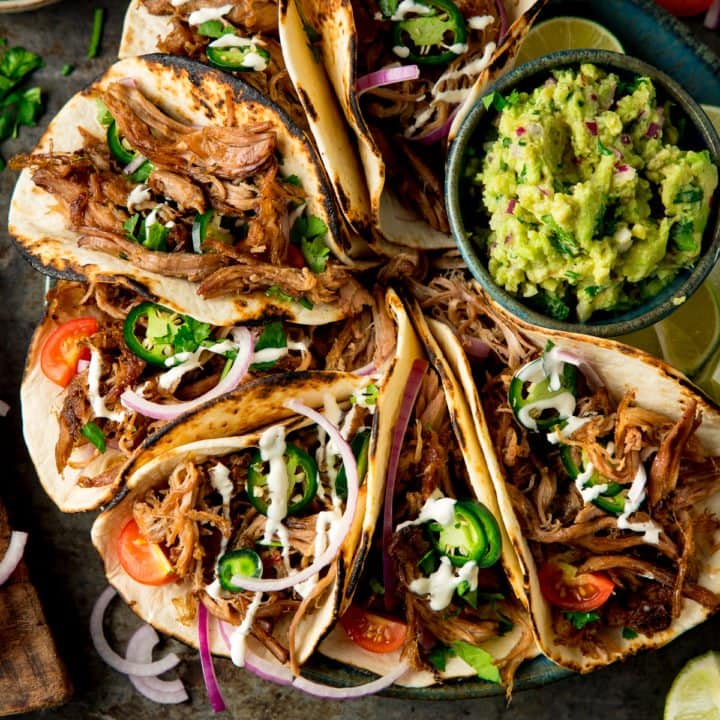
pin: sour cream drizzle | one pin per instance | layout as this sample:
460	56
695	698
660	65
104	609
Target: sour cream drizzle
204	14
272	450
441	584
221	482
436	508
97	402
238	640
636	494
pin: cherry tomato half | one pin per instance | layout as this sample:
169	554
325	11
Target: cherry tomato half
685	8
62	349
578	592
295	258
142	560
373	632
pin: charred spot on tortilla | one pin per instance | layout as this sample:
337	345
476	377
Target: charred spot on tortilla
307	103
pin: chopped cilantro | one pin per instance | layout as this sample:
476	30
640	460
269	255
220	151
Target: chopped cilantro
307	304
18	106
689	195
67	69
581	619
95	435
478	659
682	235
308	232
272	336
562	240
604	150
366	396
151	236
629	633
214	29
428	562
190	335
376	586
439	655
96	32
103	117
496	101
293	180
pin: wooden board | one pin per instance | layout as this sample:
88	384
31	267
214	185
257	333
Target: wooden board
32	675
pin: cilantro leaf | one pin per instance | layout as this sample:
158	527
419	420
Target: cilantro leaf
308	232
562	240
272	336
439	655
629	633
682	235
15	64
581	619
190	335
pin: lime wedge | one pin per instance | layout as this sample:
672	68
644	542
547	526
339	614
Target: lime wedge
565	33
713	112
645	339
695	692
691	334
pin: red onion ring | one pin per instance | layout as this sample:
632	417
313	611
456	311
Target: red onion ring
115	661
13	555
475	347
206	662
502	13
594	380
135	402
139	649
440	133
368	369
281	675
342	528
712	17
386	76
410	393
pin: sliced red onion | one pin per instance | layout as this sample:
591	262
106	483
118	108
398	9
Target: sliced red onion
206	662
712	17
592	126
345	693
82	365
520	131
13	555
340	530
594	380
438	134
502	14
115	661
4	408
625	139
386	76
139	649
368	369
134	164
510	209
475	347
410	393
135	402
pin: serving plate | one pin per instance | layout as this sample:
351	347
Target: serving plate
651	34
15	6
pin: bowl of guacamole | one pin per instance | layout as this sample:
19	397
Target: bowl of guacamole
582	192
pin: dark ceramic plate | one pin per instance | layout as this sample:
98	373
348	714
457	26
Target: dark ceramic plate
653	35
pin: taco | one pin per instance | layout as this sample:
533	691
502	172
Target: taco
276	510
404	72
224	34
430	585
606	465
193	186
110	368
258	506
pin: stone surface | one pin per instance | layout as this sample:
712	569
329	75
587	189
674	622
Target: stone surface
68	574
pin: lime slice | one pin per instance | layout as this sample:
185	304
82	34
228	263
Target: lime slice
691	334
565	33
713	112
695	692
645	339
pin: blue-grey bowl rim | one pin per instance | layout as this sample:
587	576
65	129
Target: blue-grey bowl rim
687	281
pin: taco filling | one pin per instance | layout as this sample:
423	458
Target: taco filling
207	204
127	366
612	498
442	584
240	37
261	514
446	45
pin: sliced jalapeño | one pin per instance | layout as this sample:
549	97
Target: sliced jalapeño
243	562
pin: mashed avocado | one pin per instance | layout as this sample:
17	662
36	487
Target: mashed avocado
592	205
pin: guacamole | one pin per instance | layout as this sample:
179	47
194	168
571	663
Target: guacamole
592	205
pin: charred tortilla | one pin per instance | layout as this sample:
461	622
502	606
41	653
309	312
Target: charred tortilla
656	441
215	145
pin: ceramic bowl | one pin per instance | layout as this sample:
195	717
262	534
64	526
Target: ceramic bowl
475	128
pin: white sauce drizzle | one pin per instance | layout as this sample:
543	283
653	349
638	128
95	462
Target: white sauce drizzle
572	424
636	494
480	22
272	450
138	195
589	493
564	403
97	402
408	7
238	640
326	522
203	15
441	584
401	51
436	508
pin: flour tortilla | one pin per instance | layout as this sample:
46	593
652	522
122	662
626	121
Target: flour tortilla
336	28
195	94
658	387
337	645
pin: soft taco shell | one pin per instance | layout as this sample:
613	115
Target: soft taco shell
194	94
336	27
658	387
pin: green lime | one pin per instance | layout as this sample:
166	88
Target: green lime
695	692
565	33
691	334
645	339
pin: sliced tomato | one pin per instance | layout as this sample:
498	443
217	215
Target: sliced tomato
63	348
142	560
685	8
373	632
565	588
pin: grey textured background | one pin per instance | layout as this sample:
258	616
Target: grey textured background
68	573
